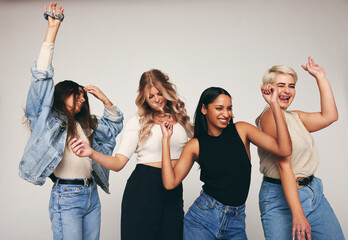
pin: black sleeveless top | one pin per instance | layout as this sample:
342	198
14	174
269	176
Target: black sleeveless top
225	167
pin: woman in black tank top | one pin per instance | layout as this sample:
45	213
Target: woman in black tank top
222	148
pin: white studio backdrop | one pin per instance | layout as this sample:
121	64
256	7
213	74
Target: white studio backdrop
198	44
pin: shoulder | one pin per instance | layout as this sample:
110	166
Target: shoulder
192	146
242	125
244	129
134	119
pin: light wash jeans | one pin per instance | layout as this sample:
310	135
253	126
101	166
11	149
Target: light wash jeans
209	219
75	212
277	219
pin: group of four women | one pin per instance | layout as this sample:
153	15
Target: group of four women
73	148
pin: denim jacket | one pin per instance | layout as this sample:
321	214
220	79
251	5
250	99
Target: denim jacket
46	144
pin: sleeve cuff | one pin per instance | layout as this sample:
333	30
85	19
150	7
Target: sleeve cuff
111	110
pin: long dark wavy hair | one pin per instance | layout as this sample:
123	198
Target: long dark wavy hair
87	121
208	96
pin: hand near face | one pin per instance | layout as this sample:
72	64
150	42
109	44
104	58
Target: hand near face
96	92
53	8
314	69
80	148
167	129
269	93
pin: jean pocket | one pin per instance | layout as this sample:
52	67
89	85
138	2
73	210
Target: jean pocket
203	203
71	190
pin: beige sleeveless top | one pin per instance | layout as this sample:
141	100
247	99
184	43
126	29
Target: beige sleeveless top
304	158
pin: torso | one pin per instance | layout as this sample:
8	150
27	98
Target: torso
304	157
225	166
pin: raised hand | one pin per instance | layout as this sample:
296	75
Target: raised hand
314	69
95	91
80	148
269	93
167	129
52	22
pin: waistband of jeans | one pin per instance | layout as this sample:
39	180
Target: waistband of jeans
300	181
78	181
220	206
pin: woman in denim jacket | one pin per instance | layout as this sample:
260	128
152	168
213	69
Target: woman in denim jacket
57	114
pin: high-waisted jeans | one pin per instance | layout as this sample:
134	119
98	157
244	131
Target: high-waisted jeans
277	218
209	219
149	211
75	212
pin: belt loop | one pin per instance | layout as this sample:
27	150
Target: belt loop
57	182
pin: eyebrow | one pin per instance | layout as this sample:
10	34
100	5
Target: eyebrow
218	105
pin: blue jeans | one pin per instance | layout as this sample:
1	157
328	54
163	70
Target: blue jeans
209	219
277	218
75	212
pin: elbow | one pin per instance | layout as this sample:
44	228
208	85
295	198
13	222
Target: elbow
334	118
288	153
285	153
168	186
117	169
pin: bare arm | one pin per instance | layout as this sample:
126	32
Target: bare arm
328	114
172	177
281	146
299	221
82	149
53	24
288	181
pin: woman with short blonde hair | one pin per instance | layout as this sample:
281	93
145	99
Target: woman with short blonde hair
291	199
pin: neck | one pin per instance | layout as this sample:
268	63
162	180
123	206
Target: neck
213	131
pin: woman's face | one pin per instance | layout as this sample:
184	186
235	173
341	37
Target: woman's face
218	114
156	100
79	101
286	89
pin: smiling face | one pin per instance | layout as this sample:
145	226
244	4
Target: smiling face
74	104
218	114
156	100
286	89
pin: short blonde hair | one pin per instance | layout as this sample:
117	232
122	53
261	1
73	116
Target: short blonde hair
272	73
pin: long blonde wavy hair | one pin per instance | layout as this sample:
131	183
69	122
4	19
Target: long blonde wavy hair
174	106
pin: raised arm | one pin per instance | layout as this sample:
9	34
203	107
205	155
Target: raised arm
53	23
280	146
82	149
328	114
40	94
172	177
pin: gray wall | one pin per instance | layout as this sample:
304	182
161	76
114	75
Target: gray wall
199	44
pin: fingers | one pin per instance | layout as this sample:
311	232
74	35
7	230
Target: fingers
267	89
76	145
298	234
45	8
50	7
54	7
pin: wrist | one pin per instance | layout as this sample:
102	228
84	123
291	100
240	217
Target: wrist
107	102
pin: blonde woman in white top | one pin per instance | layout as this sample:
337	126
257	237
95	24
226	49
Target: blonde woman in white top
291	199
149	211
